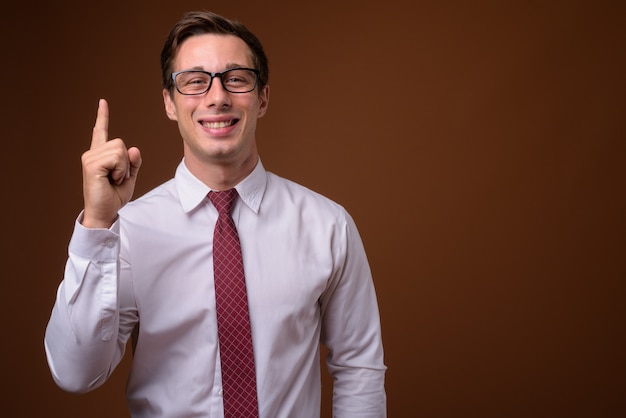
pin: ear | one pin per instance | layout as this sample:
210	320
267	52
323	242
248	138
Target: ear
170	106
264	100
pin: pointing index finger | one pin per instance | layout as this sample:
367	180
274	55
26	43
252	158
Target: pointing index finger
101	128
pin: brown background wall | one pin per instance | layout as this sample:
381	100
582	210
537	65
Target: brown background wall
494	130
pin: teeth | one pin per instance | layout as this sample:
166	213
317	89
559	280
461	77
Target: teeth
217	125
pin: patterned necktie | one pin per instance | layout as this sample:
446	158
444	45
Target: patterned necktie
233	319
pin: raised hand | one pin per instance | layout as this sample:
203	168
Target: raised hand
109	173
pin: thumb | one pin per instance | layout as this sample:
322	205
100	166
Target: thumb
134	156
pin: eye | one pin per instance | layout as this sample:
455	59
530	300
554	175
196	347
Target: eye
239	80
235	79
196	80
193	79
192	82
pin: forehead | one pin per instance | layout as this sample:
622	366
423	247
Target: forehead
212	52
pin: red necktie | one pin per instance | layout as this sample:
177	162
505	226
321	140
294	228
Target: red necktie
233	319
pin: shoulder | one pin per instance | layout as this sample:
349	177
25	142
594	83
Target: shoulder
163	194
304	200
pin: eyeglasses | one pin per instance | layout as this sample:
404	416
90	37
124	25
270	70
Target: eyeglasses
235	80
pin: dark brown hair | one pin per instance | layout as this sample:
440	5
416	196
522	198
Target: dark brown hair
201	22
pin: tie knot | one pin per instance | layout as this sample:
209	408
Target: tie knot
224	201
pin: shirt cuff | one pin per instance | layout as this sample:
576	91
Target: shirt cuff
97	244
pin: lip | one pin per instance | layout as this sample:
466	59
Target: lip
218	126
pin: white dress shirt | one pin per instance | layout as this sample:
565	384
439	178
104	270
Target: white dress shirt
308	282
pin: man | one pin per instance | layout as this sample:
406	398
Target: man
146	268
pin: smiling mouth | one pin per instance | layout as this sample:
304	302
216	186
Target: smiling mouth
220	124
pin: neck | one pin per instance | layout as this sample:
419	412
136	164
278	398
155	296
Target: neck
222	175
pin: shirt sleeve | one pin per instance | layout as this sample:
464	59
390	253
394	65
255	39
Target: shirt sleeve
351	332
87	332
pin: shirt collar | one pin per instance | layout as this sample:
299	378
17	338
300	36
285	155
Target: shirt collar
192	191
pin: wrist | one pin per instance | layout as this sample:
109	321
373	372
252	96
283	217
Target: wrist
89	221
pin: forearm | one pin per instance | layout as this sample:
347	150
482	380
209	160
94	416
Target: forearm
83	342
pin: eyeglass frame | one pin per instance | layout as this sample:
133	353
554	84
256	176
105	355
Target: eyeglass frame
214	75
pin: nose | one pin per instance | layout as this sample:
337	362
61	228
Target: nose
217	96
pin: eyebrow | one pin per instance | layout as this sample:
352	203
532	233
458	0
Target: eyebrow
229	66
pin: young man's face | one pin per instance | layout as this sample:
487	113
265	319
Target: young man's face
217	127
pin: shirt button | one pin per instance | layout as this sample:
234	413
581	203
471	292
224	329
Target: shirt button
220	392
109	243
